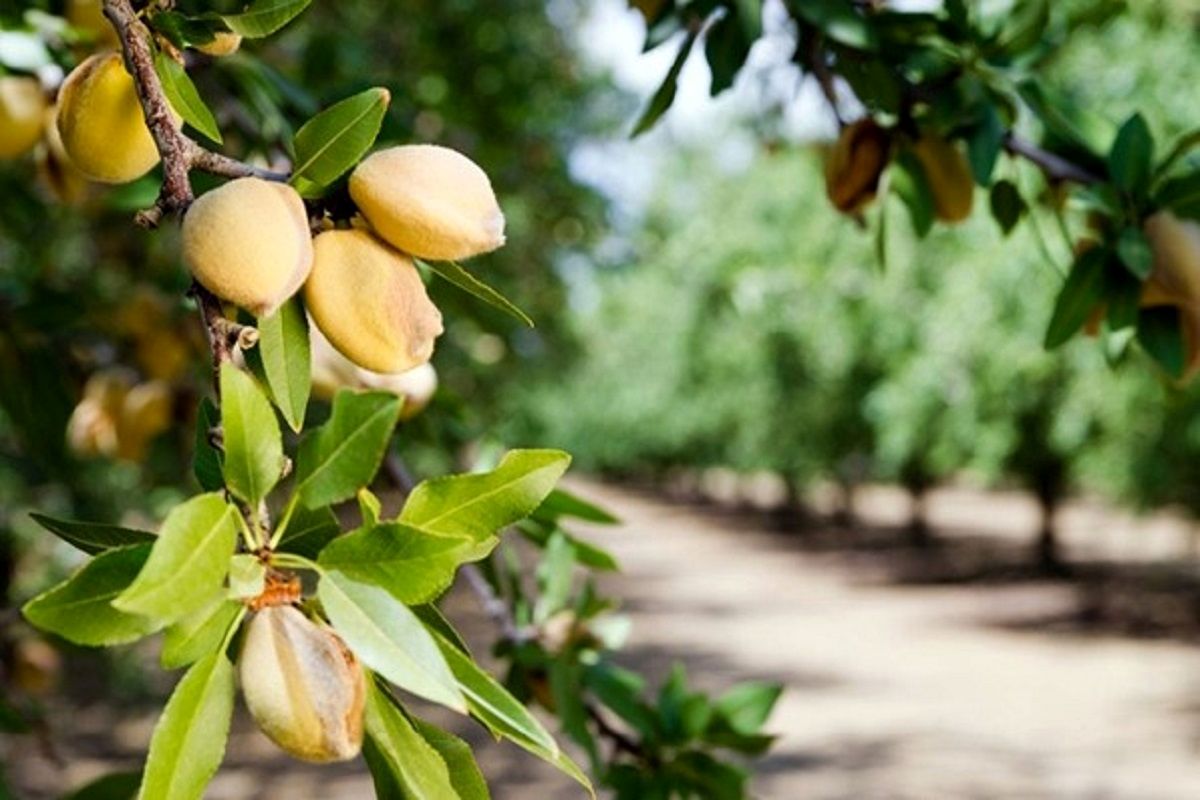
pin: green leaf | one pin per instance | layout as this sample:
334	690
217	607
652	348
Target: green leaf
747	706
189	739
1160	334
555	574
188	563
561	503
1133	248
183	96
1081	291
839	21
465	775
503	714
415	566
1007	205
198	635
92	537
344	454
253	446
284	358
388	638
907	180
417	769
117	786
665	95
726	47
309	531
984	145
332	142
80	609
479	505
264	17
208	461
1181	195
457	275
1131	159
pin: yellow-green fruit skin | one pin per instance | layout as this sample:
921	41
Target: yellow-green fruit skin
248	242
428	201
302	685
949	177
22	105
369	301
101	123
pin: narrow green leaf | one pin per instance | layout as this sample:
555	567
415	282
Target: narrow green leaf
839	21
555	575
80	609
1080	293
726	47
1160	334
344	454
187	564
369	507
504	715
247	577
984	145
284	357
92	537
747	706
1181	195
417	769
479	505
332	142
465	775
253	446
389	638
1007	205
1133	248
189	739
907	179
1131	159
207	461
457	275
309	531
561	503
198	635
184	97
264	17
665	95
415	566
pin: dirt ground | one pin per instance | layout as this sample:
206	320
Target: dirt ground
952	673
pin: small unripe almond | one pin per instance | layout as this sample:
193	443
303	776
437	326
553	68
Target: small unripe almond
428	201
22	106
248	242
303	686
101	122
949	177
369	301
332	371
854	164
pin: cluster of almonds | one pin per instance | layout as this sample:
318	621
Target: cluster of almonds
249	243
862	152
117	417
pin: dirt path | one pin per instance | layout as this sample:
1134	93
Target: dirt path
894	692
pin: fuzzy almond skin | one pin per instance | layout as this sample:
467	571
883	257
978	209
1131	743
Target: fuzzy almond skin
101	123
22	106
949	176
225	43
369	301
303	687
854	165
248	242
1175	244
428	201
332	371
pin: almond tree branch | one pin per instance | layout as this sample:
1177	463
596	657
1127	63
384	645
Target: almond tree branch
179	153
1054	166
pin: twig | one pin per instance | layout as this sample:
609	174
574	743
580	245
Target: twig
1054	166
494	606
621	741
179	153
224	335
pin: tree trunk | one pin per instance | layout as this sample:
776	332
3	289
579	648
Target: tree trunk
1049	555
919	535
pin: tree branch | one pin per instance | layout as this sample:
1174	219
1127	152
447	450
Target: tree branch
179	153
1054	166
